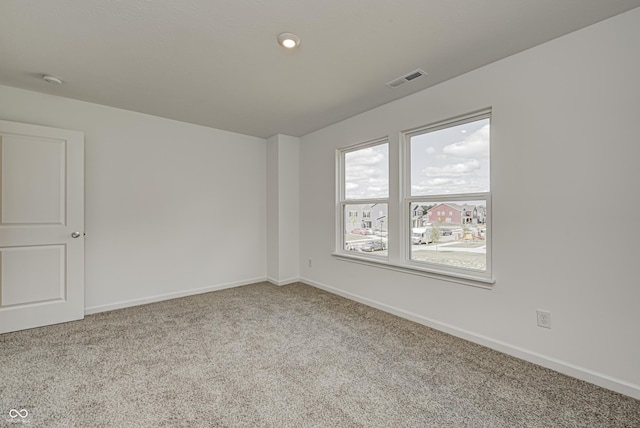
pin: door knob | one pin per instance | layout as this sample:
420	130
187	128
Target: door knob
75	234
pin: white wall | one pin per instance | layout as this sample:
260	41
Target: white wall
273	210
565	179
282	209
171	208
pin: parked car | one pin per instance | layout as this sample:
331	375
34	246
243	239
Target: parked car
362	231
370	246
446	232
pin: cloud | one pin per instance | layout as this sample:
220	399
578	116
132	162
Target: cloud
453	170
366	173
439	181
351	186
475	145
430	150
446	186
366	156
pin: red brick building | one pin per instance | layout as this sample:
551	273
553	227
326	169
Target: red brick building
450	213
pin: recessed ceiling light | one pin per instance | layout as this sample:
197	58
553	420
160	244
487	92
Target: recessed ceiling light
289	40
52	79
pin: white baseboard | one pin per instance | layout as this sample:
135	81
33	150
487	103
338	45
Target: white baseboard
168	296
563	367
283	281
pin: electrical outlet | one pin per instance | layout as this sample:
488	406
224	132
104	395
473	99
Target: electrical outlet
544	318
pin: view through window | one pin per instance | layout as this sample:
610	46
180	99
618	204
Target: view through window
449	194
442	199
365	199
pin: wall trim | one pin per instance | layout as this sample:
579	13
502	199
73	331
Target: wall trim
283	281
169	296
560	366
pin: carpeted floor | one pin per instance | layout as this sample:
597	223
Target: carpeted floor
292	356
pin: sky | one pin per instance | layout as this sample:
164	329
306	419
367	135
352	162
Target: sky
450	161
367	173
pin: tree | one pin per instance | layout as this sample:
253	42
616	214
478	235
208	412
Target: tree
436	231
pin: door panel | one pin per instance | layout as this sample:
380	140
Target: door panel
32	274
41	205
33	180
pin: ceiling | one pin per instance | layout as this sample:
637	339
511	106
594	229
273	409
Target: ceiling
218	64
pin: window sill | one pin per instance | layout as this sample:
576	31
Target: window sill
464	279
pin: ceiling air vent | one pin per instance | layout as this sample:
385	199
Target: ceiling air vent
406	78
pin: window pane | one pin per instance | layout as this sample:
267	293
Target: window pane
450	233
453	160
367	173
365	228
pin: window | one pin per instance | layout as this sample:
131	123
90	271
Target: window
364	187
441	194
449	167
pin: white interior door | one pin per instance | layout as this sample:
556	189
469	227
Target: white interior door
41	226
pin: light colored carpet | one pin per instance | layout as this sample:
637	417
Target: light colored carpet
292	356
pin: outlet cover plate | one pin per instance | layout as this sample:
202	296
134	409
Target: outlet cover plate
544	318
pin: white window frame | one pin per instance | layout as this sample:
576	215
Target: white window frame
471	274
342	202
399	221
408	199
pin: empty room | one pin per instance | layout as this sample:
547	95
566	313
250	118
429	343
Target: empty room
319	214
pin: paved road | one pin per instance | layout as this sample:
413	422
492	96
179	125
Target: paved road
448	246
